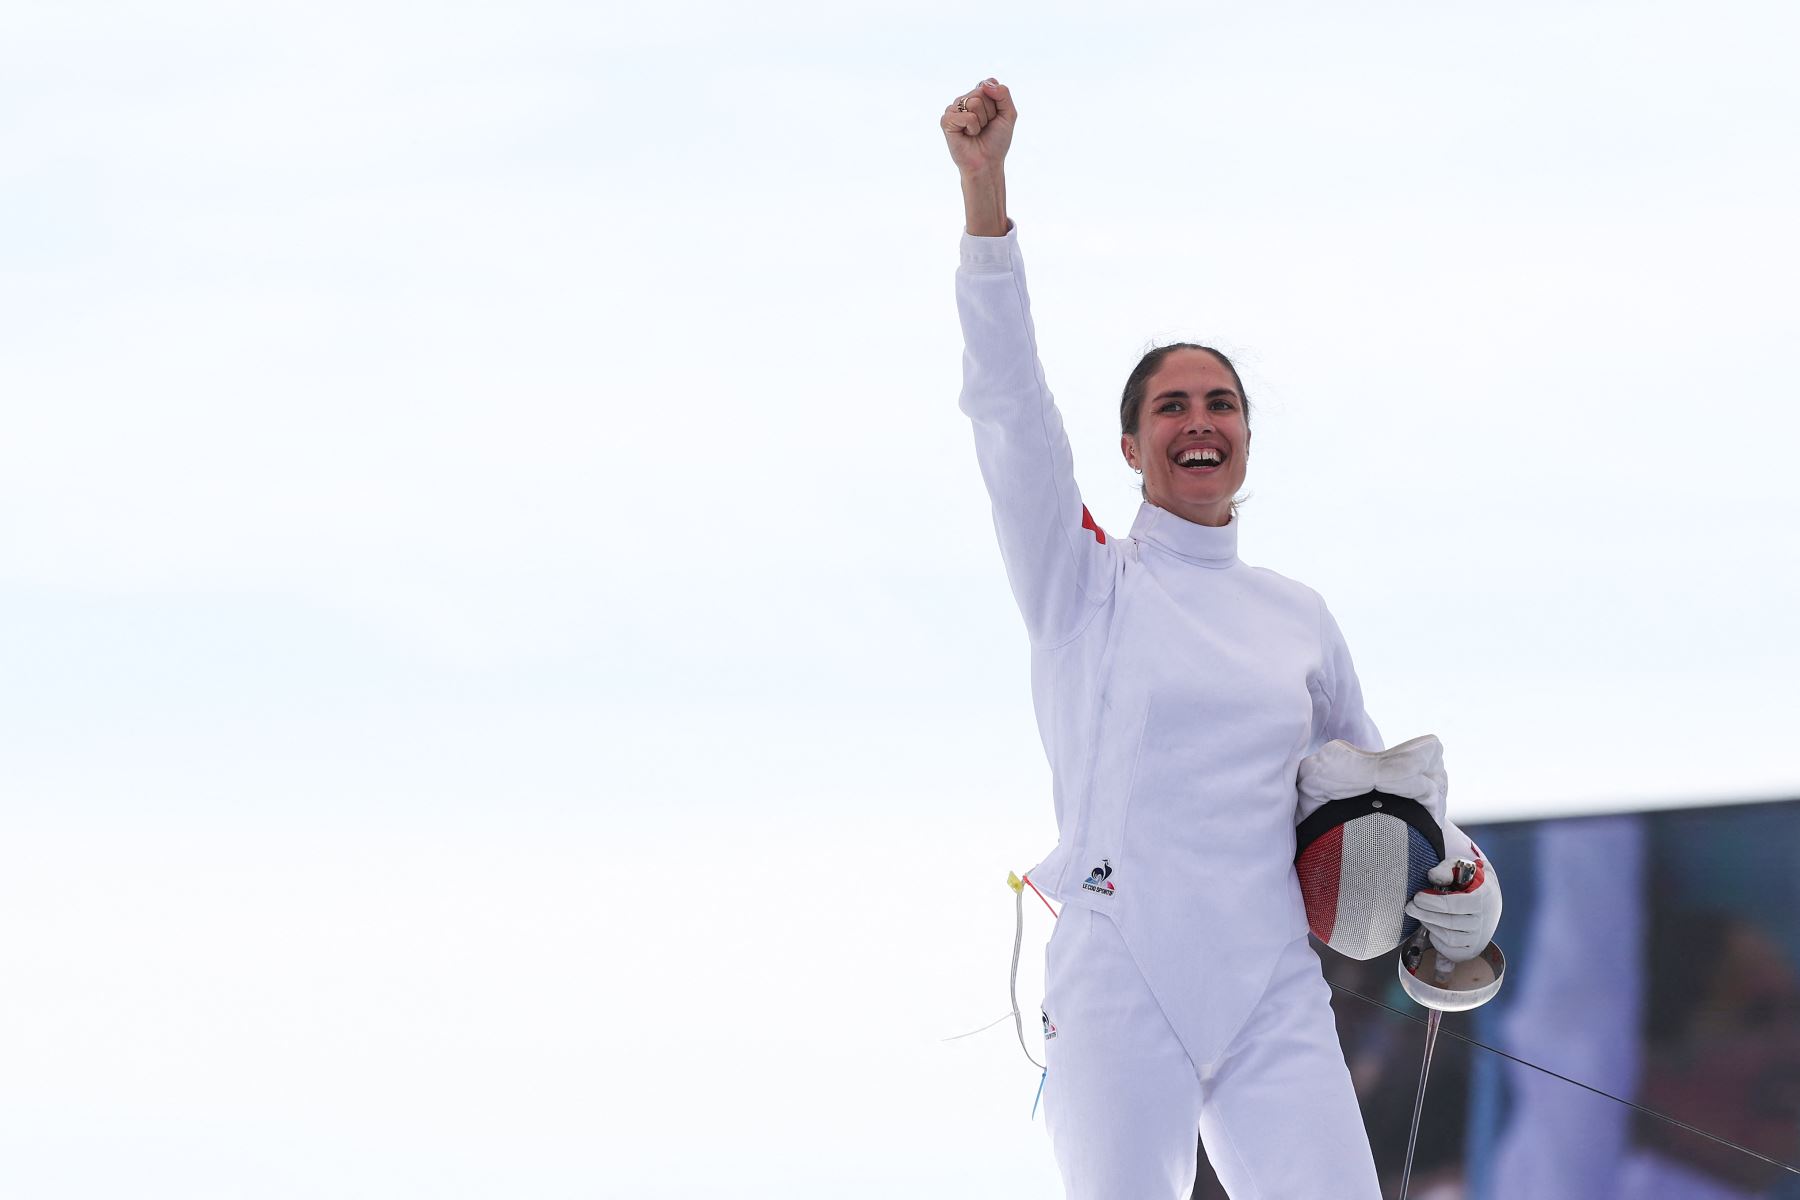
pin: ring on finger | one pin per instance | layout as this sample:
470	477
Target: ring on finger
962	104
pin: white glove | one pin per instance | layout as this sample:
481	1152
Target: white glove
1461	923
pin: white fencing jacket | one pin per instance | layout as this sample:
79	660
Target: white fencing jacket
1176	689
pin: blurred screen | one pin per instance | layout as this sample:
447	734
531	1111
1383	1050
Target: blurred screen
1650	955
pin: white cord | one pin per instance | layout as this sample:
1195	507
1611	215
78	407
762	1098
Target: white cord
1013	983
1012	986
958	1037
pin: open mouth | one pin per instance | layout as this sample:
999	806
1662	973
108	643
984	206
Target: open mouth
1200	459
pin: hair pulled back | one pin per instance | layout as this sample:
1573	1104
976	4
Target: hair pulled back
1138	382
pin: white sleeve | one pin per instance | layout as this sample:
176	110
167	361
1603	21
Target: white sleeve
1345	716
1057	558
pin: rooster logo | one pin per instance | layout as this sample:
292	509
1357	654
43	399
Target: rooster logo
1100	878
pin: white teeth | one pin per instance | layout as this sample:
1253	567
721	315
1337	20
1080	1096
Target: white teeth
1200	454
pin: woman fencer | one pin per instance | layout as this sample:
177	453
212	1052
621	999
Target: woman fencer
1177	690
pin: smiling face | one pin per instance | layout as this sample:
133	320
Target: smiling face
1192	441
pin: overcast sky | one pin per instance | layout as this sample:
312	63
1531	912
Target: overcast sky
510	687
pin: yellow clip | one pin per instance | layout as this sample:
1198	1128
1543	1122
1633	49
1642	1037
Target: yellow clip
1014	882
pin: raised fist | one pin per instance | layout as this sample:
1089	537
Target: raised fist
979	126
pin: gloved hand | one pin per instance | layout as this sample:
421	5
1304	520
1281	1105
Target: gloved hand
1462	923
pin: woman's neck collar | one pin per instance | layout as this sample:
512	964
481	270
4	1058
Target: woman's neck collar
1210	545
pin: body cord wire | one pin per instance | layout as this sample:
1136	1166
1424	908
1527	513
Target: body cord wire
1012	985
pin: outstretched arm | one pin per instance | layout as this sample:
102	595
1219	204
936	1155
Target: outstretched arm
1056	556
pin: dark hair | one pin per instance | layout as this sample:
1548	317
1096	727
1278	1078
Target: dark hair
1138	382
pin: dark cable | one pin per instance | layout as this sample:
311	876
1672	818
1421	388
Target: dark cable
1650	1112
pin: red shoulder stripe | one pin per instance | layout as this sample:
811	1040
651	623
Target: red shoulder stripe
1087	522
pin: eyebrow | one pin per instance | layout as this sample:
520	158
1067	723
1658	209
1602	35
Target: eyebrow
1184	396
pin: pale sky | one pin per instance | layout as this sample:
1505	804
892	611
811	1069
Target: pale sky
510	685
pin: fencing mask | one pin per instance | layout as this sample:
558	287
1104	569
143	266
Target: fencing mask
1370	827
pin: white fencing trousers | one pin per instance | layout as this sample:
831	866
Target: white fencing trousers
1123	1100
